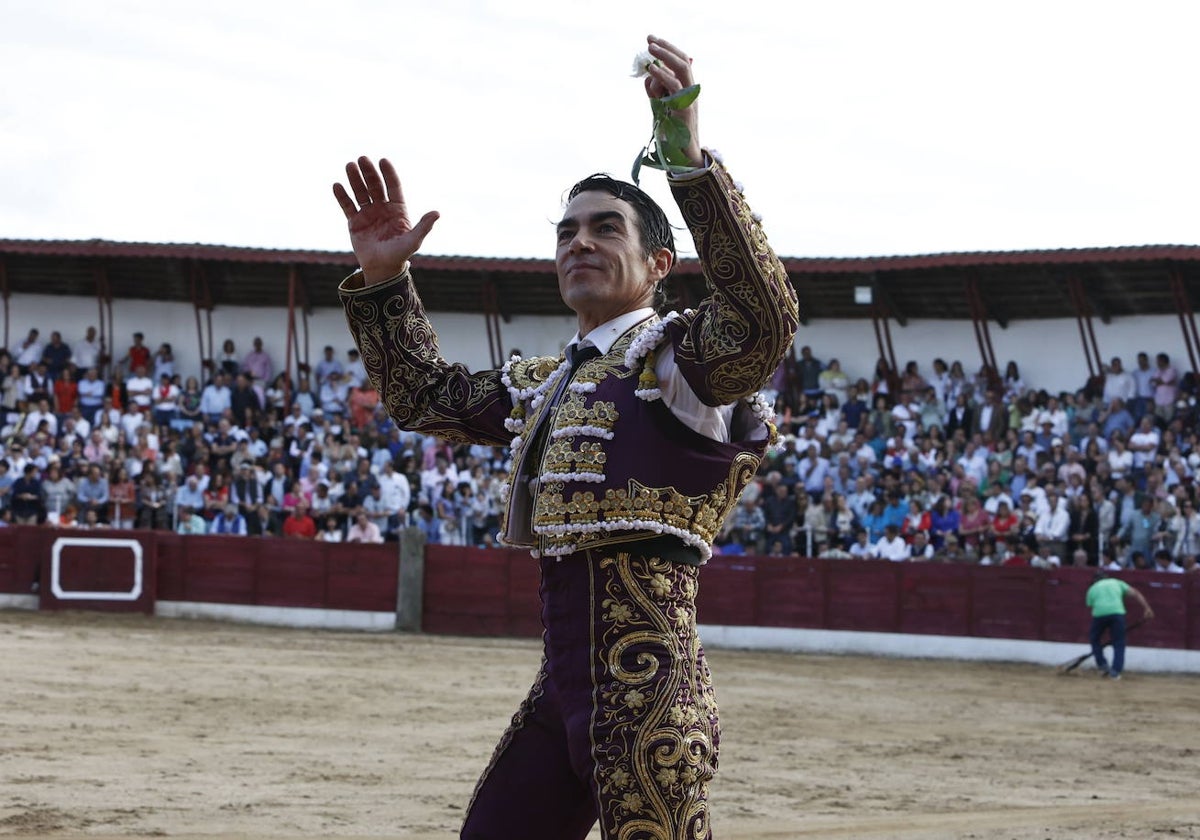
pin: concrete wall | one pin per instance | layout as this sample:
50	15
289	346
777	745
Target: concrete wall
1048	352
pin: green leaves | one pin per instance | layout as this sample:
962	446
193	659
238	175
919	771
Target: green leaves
679	101
669	136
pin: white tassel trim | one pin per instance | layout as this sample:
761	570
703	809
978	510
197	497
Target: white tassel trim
648	339
587	478
585	431
613	525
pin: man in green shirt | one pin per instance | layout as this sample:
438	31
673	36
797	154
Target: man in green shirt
1106	599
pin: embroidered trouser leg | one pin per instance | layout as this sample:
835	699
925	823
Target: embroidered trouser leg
621	724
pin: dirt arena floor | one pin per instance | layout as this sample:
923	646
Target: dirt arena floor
132	726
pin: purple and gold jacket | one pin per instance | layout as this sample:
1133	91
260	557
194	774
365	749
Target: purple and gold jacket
616	464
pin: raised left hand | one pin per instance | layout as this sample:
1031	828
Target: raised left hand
671	74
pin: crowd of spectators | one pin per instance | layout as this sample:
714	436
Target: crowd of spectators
980	468
943	466
93	441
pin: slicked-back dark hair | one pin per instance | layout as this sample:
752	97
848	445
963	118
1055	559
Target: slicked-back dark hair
653	226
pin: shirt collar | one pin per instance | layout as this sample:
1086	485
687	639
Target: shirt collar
606	335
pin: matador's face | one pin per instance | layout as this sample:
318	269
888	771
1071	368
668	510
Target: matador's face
603	270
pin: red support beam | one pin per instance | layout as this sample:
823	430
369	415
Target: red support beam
1187	317
983	335
883	340
104	303
202	300
291	335
1083	319
491	314
4	292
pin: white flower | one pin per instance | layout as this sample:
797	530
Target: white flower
642	62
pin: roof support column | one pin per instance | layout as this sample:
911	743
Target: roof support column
291	335
104	302
1187	317
883	339
1087	334
983	335
4	293
202	299
491	314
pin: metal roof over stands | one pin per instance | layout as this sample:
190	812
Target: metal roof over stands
998	286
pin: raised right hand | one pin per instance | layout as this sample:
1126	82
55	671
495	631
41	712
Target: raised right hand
381	233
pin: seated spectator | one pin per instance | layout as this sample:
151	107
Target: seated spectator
830	552
363	530
153	503
257	364
216	495
11	392
974	524
331	531
304	396
228	521
834	382
244	402
86	352
162	363
215	399
427	523
27	503
166	402
39	415
66	390
299	525
1014	386
189	521
1163	562
58	491
327	366
227	360
189	405
91	391
861	548
122	499
37	385
943	523
278	395
921	548
92	493
951	551
891	546
1045	558
138	354
190	495
29	352
140	389
91	522
334	395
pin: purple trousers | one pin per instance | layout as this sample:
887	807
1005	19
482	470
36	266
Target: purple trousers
620	725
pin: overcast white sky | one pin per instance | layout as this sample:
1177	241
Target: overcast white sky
858	128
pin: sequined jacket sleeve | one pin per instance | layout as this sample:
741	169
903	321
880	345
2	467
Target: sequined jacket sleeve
421	390
731	344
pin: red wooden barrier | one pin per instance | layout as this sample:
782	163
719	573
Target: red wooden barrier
222	570
481	592
494	592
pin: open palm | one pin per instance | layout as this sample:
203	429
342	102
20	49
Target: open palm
381	233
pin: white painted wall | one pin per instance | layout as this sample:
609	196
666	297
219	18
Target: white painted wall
1048	352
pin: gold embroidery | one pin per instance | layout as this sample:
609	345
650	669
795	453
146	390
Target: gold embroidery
655	729
419	388
747	324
